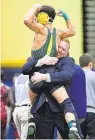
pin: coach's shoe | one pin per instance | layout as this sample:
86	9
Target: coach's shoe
73	133
31	131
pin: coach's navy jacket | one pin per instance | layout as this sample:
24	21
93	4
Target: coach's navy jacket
66	67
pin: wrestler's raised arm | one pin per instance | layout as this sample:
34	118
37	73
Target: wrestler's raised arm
30	19
70	30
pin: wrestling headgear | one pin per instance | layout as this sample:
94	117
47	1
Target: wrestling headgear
43	18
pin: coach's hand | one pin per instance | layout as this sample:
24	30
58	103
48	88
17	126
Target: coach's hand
38	77
47	60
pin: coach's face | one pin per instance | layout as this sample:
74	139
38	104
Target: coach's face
63	49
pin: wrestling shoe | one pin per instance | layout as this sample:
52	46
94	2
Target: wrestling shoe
31	131
73	133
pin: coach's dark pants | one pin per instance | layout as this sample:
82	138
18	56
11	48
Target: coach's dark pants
46	121
88	126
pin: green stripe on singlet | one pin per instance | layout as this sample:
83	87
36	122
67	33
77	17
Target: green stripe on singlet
52	45
53	50
48	48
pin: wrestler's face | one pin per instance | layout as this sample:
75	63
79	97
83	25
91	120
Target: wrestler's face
35	19
63	49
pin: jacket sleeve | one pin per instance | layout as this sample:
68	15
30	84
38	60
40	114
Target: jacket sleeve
29	67
66	71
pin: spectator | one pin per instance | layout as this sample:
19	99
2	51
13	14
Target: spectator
22	102
22	105
86	62
6	100
11	129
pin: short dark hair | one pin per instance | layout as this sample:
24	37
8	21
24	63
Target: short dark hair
85	59
48	10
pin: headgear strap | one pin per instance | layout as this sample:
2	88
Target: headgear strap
43	18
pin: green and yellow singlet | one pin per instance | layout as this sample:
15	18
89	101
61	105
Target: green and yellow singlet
48	48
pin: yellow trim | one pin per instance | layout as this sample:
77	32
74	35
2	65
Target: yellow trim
12	63
50	46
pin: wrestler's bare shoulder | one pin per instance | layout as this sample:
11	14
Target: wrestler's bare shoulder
39	40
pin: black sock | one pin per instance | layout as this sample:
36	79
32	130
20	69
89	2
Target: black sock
67	106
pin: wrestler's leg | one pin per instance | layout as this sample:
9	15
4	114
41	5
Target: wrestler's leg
31	122
63	127
34	91
35	88
67	108
61	95
32	96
